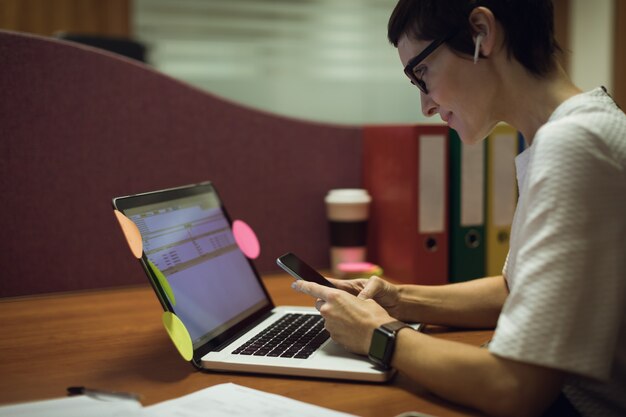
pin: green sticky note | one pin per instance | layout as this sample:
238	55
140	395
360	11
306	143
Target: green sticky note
179	334
163	282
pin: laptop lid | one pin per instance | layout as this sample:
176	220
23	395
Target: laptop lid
187	236
215	290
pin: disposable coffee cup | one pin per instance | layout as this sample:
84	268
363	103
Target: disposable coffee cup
347	210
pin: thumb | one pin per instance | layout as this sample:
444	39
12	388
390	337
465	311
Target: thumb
370	289
311	288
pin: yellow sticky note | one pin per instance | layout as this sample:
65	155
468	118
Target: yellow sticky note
179	334
163	282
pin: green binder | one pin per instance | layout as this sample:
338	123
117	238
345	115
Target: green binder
467	214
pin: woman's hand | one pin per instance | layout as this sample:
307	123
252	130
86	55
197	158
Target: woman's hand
385	294
350	320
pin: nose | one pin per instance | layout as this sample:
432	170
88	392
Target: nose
429	107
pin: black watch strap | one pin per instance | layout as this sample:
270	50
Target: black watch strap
383	343
394	326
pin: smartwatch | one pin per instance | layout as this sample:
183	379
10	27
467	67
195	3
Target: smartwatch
384	342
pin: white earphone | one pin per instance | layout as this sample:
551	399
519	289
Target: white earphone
479	39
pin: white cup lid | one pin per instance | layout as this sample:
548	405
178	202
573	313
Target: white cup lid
348	196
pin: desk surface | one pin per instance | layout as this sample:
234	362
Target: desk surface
113	339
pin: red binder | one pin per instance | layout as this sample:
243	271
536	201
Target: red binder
405	170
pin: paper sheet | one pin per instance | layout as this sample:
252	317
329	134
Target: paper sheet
224	400
231	400
79	406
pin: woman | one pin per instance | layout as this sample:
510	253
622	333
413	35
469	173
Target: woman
559	309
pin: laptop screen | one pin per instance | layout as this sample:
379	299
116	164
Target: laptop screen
189	239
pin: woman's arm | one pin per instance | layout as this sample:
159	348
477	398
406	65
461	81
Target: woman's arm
461	373
475	304
475	377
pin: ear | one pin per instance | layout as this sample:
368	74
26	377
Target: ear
482	21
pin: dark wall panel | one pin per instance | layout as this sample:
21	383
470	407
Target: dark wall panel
81	126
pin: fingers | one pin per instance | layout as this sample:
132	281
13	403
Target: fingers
374	286
350	286
336	282
312	289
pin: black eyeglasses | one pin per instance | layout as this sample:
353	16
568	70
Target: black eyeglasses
409	70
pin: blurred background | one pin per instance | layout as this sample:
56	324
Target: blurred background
323	60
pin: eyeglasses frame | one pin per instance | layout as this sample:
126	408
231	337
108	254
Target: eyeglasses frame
413	62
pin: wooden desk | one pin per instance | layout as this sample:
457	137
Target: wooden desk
114	339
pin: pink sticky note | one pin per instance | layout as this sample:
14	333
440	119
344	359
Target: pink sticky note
356	267
246	239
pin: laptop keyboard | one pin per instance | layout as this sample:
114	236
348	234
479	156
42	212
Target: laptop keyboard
293	336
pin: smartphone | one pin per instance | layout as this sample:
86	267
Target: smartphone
301	270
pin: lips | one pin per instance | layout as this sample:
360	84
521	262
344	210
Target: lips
445	117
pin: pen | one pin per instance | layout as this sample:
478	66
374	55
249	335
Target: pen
101	394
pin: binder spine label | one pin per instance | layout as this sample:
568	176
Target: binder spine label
472	184
503	178
431	186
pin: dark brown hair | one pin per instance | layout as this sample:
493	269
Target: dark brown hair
528	26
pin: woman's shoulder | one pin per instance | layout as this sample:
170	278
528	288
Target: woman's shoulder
596	102
588	123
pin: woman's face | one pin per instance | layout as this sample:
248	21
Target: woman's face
455	90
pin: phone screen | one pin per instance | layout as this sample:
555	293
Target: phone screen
301	270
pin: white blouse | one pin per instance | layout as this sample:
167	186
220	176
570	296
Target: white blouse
566	268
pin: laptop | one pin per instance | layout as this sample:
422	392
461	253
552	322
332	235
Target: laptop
220	298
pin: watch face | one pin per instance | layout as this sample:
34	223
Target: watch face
379	344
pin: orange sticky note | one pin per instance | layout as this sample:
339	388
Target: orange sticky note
131	232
